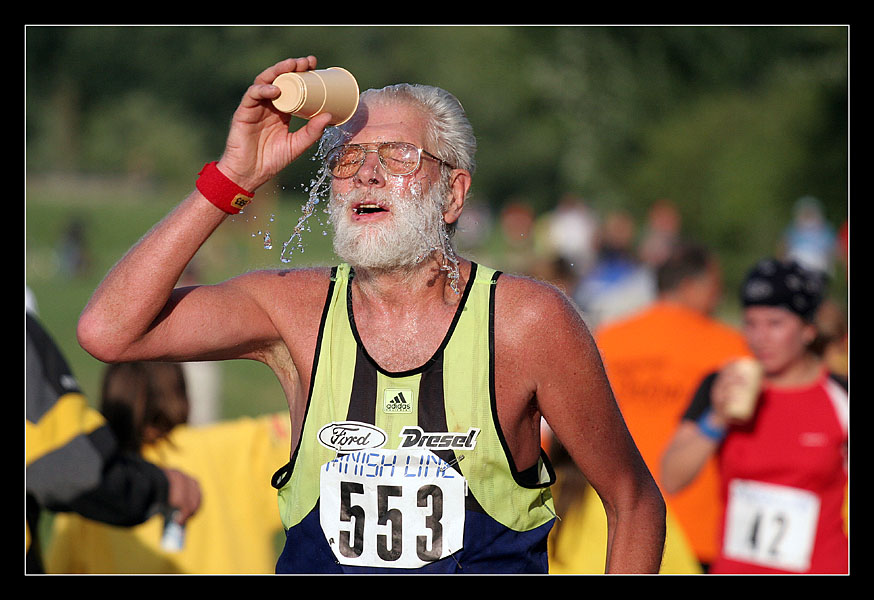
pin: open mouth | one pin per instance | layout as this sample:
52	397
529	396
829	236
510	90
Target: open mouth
367	209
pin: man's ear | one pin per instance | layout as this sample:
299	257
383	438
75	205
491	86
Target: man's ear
459	184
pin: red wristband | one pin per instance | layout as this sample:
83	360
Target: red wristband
221	191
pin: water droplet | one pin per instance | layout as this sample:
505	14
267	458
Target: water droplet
307	210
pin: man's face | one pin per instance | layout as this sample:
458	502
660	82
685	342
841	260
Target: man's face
384	221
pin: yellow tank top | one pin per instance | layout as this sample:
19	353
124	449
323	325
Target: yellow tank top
430	431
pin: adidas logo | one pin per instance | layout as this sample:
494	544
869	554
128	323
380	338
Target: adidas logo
398	401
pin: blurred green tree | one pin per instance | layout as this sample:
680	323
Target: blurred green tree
732	123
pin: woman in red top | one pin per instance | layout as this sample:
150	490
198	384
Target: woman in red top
783	465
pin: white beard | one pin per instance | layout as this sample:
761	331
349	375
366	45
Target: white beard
415	229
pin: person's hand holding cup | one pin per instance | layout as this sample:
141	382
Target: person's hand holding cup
736	390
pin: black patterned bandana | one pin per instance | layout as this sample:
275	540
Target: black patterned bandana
784	284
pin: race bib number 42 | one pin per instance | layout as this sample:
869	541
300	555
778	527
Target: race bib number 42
392	508
771	525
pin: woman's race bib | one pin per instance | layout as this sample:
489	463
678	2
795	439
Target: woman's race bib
770	525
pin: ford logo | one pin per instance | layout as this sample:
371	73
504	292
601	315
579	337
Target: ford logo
351	436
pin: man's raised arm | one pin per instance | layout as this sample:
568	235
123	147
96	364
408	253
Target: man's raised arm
135	312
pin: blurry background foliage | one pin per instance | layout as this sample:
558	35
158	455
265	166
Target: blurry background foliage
733	124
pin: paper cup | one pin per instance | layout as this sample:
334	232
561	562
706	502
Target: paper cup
310	93
303	94
745	394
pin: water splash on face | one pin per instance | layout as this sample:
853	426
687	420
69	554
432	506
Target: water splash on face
450	259
415	231
444	246
427	222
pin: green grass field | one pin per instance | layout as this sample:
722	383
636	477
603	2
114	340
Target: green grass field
114	216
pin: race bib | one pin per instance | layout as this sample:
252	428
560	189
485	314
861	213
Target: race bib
771	525
392	508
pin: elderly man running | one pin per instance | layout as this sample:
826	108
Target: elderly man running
416	380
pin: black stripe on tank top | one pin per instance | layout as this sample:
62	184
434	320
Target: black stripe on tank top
431	403
431	407
362	402
432	418
280	477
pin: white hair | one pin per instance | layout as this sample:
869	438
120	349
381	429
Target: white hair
449	133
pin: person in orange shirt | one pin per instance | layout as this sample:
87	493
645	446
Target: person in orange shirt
656	357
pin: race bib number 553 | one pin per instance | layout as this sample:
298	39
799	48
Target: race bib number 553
392	508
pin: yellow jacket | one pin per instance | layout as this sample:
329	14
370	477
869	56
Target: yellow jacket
236	528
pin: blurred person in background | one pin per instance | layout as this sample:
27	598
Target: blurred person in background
810	240
403	341
234	532
73	251
516	251
570	232
656	357
617	283
834	330
842	249
73	462
662	233
782	448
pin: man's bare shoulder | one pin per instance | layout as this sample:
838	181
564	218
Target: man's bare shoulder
296	274
272	280
530	313
301	289
543	348
531	301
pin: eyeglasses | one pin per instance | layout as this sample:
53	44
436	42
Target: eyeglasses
397	158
